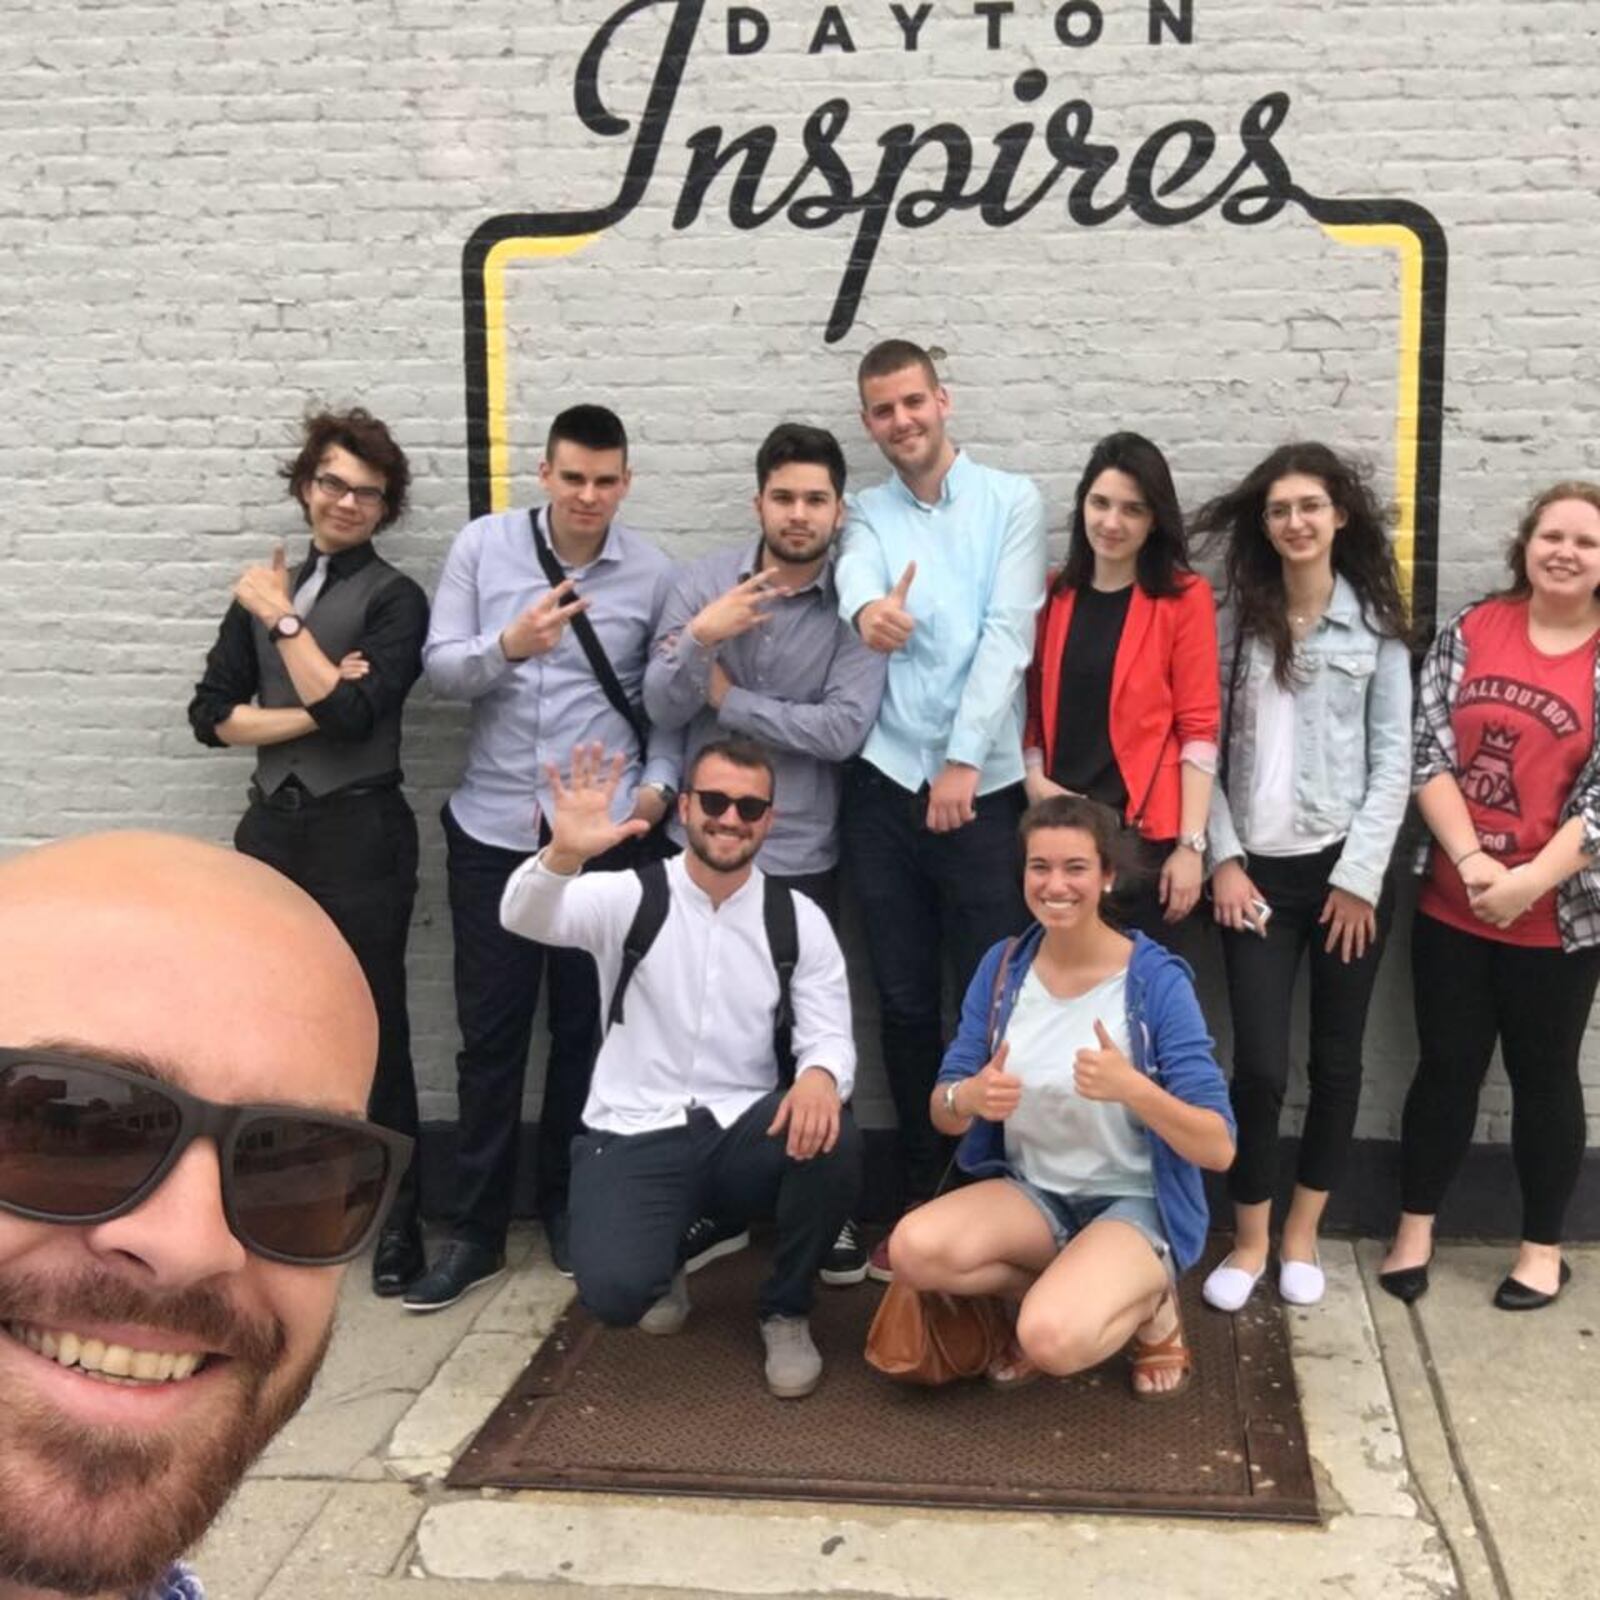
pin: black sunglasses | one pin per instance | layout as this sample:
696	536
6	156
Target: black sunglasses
751	807
83	1142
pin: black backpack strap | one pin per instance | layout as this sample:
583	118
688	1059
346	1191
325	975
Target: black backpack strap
648	921
783	941
589	640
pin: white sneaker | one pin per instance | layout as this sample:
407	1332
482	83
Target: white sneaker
1227	1287
794	1366
1301	1283
671	1311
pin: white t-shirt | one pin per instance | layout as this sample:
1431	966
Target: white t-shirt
1272	830
1056	1138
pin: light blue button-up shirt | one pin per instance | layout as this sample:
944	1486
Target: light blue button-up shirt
526	714
955	689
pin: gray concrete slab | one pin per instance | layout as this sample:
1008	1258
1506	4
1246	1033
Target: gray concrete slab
1521	1401
1456	1429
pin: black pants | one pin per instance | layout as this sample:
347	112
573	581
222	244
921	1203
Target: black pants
1135	902
497	977
822	887
1261	976
926	899
634	1194
356	856
1470	991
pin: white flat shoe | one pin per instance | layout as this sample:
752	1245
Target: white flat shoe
1301	1283
1227	1287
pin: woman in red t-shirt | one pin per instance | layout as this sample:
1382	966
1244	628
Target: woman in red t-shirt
1506	942
1123	698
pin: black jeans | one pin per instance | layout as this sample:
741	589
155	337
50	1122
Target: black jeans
1261	975
1470	991
822	887
634	1194
356	856
497	978
1135	902
927	899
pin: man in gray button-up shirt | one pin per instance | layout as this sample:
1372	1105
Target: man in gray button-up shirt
750	642
502	638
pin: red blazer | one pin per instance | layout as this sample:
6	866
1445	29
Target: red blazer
1165	695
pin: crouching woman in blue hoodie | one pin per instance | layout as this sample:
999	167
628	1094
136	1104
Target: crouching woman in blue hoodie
1087	1096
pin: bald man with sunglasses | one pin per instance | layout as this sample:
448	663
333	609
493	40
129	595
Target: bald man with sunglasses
186	1047
695	1108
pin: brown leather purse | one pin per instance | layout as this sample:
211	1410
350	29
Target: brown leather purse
925	1337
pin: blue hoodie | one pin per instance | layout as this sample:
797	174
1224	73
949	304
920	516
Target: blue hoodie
1170	1045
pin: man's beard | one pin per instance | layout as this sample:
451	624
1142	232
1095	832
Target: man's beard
787	558
700	847
85	1510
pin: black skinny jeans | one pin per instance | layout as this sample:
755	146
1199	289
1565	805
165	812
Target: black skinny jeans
1261	975
1469	991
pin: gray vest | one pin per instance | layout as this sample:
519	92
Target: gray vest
336	622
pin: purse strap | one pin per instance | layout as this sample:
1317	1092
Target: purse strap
589	640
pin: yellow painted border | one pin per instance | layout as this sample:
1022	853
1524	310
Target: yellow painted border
1407	417
497	373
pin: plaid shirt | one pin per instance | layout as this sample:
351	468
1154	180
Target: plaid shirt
180	1583
1433	750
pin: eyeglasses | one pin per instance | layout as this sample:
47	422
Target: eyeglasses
83	1142
751	807
365	496
1279	511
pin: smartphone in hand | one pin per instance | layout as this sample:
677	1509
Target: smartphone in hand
1261	913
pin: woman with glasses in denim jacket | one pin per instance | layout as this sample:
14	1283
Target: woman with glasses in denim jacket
1316	686
1122	693
1506	942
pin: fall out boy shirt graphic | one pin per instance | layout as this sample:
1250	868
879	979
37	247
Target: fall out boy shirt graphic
1524	724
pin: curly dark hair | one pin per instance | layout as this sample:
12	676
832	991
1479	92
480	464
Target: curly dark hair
1236	521
1164	556
1517	555
363	435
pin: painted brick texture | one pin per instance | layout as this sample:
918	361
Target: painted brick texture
210	215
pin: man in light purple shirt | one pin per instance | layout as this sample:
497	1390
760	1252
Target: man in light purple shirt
505	636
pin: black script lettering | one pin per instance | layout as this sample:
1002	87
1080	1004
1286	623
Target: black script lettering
823	126
993	12
1079	23
1066	135
911	26
1202	144
1266	199
833	30
1011	145
748	30
1179	25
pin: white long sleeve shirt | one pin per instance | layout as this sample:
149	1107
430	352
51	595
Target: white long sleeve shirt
697	1021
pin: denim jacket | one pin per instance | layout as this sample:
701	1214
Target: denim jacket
1169	1043
1352	741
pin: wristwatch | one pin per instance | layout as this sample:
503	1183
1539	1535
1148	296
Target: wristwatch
1195	841
665	790
286	627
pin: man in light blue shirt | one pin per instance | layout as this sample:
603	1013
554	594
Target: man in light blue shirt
942	569
505	636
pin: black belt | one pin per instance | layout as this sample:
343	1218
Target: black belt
294	796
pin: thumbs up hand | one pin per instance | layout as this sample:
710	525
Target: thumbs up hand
264	591
885	625
1104	1073
994	1093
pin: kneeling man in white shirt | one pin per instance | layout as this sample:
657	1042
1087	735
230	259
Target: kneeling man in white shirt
691	1112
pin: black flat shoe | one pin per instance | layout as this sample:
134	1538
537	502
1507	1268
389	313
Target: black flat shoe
1406	1283
398	1261
1514	1295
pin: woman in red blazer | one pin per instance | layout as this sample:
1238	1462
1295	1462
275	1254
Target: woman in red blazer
1123	700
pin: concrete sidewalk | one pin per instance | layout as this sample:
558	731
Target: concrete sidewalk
1453	1446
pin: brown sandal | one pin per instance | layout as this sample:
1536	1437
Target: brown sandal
1171	1354
1011	1369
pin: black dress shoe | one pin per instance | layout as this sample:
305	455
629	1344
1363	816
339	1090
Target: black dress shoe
1406	1283
1514	1295
460	1268
398	1261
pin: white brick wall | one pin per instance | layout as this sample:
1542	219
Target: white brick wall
211	214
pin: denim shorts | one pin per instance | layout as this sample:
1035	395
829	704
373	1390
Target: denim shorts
1069	1214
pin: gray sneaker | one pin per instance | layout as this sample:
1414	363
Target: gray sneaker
671	1311
794	1368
